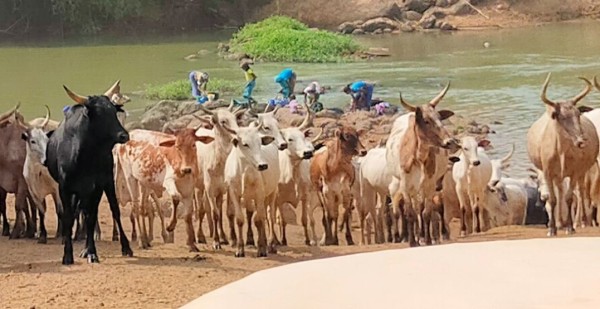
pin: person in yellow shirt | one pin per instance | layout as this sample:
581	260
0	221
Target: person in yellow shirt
250	80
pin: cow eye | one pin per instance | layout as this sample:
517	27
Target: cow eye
246	145
223	122
290	140
33	142
466	149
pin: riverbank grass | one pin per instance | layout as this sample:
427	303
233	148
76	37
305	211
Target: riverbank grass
181	89
283	39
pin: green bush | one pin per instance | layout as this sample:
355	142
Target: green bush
181	89
284	39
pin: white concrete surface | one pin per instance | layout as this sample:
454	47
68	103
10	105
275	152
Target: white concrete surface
537	273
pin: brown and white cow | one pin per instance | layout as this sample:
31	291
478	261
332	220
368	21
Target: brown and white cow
332	174
417	159
562	144
171	167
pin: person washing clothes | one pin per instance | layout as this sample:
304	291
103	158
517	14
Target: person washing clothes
287	80
312	93
361	93
250	79
199	82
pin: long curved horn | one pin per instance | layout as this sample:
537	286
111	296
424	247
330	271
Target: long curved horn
307	120
440	96
596	83
509	155
47	119
407	106
75	97
10	112
230	107
316	138
115	88
266	108
202	119
582	94
239	112
19	121
206	110
543	96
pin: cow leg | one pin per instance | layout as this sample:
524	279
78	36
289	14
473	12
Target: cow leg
20	210
5	225
144	239
410	215
90	208
259	221
462	201
272	214
232	223
80	228
43	237
396	214
249	232
97	232
209	216
132	218
304	220
111	196
216	213
31	220
187	216
551	207
69	202
310	210
347	204
200	213
426	221
387	219
239	221
594	215
150	213
283	225
139	219
115	232
220	199
161	216
569	201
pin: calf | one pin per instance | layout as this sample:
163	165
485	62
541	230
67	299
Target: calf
332	174
79	157
471	174
171	167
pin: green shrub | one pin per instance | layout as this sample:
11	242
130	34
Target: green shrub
181	89
284	39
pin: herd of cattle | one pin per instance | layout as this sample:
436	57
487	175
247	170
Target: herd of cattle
407	190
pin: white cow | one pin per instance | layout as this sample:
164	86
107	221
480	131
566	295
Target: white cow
507	205
39	181
472	174
244	176
294	181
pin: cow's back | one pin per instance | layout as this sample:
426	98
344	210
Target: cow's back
374	170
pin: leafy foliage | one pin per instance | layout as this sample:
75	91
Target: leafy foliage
281	38
181	89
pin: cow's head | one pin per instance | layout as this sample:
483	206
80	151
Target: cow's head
247	141
429	120
270	126
37	141
221	118
470	151
101	114
185	144
6	117
350	142
499	166
567	114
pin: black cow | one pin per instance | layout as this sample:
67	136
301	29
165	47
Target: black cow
79	157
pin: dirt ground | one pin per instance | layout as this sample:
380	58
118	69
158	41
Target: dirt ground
166	275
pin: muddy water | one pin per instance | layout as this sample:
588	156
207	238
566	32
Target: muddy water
499	84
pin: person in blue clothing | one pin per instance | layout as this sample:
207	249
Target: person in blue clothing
361	93
199	82
287	80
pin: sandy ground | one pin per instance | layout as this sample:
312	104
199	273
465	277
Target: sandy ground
165	276
498	274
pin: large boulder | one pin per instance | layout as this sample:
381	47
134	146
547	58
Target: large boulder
394	11
165	111
418	5
412	15
427	22
348	27
379	23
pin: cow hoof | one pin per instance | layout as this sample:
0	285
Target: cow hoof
284	242
93	258
413	243
68	260
165	237
240	254
194	249
570	231
127	252
216	246
261	253
201	240
397	238
30	234
5	232
42	240
551	233
272	249
350	242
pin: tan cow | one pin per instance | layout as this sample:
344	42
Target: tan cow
562	144
332	174
417	159
171	167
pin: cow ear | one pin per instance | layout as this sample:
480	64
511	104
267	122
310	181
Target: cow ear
419	115
584	109
205	139
25	136
454	159
484	143
307	133
445	114
49	134
266	140
167	143
319	146
235	141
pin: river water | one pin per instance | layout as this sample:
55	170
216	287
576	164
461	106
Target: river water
500	83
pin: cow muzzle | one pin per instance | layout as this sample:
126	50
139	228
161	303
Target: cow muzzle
362	152
476	163
122	137
263	167
307	155
186	170
283	146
